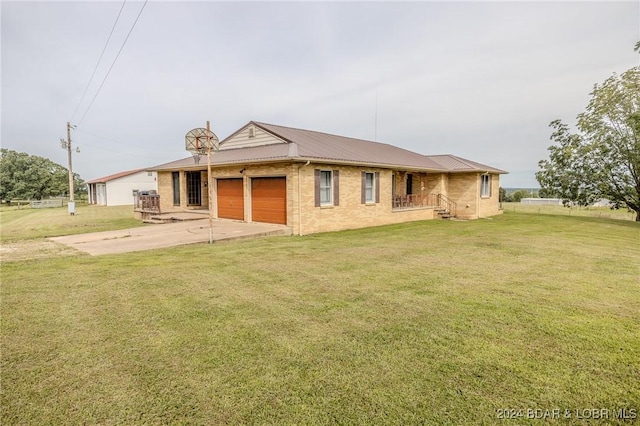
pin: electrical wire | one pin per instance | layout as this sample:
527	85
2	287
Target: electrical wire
113	63
98	63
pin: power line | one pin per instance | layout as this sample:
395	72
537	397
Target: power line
113	63
99	59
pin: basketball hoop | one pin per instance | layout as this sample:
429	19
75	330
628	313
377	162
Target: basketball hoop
200	141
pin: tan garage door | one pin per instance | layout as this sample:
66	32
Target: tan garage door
230	199
269	200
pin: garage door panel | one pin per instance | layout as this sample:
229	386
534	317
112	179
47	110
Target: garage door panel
269	200
230	199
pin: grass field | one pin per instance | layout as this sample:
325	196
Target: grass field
28	224
437	322
600	212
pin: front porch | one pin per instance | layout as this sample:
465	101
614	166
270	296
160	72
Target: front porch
444	206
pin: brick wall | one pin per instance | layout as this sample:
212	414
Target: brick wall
463	189
490	206
351	213
305	218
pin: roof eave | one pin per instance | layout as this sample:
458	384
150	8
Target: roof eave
483	171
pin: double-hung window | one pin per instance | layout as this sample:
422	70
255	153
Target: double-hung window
326	196
485	186
369	188
327	188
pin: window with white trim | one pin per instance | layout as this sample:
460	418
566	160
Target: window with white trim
369	188
485	186
326	196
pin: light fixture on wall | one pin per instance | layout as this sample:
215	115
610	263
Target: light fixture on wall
242	171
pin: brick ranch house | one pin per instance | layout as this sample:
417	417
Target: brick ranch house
317	182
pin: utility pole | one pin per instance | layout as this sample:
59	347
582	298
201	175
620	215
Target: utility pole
70	165
66	144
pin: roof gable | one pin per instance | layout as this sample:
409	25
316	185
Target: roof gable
249	136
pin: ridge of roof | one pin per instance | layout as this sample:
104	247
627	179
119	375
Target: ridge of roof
115	176
260	124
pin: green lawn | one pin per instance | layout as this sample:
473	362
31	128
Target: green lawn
600	212
437	322
28	224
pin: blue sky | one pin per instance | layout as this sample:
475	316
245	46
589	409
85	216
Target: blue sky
481	80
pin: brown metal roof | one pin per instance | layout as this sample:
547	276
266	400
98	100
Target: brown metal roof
458	164
304	145
324	146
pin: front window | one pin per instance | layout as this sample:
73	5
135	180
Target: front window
369	189
325	188
485	186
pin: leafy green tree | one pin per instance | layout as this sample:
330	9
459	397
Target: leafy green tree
601	160
31	177
544	193
519	195
502	194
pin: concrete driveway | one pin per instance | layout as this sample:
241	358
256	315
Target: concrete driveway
168	235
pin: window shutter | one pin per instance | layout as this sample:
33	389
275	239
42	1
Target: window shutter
316	174
336	187
377	187
363	189
490	186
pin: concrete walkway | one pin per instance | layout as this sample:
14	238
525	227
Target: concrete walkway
168	235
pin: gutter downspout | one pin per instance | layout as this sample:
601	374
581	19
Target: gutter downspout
299	198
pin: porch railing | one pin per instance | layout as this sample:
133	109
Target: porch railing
440	201
414	200
148	203
447	204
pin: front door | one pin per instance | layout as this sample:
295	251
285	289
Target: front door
194	189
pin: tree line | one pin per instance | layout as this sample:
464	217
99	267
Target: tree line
30	177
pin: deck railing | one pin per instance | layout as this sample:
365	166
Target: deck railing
414	200
148	203
440	201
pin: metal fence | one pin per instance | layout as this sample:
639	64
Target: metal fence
45	204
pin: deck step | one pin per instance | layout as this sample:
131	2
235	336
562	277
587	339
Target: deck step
154	221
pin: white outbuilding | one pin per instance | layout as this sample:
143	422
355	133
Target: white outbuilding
119	189
542	201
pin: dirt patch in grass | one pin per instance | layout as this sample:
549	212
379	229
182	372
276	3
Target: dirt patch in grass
34	249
